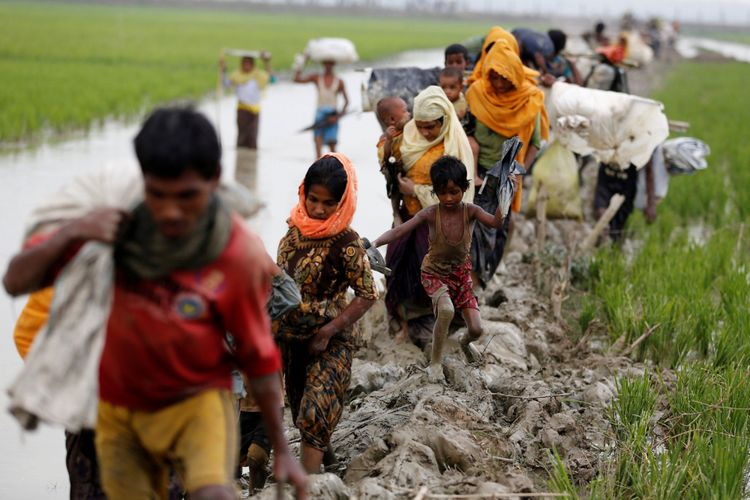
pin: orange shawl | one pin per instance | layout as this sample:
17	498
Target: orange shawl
341	218
512	113
498	34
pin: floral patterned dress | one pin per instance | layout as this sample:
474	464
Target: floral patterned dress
323	270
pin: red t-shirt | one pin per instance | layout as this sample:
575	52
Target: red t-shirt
166	338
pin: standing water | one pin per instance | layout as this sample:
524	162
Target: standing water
32	465
690	47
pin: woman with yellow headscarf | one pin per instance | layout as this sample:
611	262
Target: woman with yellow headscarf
499	35
434	131
506	104
495	34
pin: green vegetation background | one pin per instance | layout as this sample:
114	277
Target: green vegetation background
68	64
684	433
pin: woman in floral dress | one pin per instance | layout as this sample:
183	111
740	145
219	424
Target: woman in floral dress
325	257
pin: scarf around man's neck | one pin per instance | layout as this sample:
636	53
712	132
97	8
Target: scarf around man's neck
145	252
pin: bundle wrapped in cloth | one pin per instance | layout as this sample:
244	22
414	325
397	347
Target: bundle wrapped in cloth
685	155
338	50
556	169
638	51
500	181
405	83
58	383
617	129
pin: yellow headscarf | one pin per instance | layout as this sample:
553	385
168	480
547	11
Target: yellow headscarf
432	104
499	35
496	33
511	113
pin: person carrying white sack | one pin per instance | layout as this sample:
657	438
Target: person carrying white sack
329	52
177	264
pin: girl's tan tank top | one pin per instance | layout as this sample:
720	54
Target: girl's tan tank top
444	256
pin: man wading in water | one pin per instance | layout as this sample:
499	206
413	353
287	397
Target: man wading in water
329	86
186	272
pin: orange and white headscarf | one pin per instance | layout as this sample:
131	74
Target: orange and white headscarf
340	219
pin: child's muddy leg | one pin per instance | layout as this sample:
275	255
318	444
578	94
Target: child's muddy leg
473	332
443	316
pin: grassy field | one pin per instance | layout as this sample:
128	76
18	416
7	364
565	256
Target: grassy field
690	283
69	64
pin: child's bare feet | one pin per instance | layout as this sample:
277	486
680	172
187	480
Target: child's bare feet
401	337
435	374
472	353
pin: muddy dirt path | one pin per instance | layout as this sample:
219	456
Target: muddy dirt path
491	428
32	465
488	429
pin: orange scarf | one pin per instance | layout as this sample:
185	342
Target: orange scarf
512	113
497	34
340	220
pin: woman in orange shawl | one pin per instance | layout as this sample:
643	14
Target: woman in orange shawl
325	257
498	34
505	104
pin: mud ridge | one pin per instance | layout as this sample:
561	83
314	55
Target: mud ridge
492	427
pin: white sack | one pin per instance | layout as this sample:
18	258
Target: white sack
119	185
339	50
638	51
59	379
618	129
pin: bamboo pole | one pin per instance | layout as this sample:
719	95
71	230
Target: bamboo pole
541	233
219	97
614	205
492	495
559	285
541	218
640	339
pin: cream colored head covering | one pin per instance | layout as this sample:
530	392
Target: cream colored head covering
432	104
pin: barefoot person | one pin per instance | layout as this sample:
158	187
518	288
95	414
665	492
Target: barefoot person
451	80
325	256
457	56
446	269
187	271
327	113
249	83
434	131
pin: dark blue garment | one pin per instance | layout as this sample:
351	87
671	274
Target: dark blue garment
530	42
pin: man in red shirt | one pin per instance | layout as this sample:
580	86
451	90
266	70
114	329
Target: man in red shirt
187	275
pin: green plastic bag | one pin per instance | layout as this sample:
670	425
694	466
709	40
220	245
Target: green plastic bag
557	170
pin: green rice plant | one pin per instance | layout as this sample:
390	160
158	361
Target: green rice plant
703	452
631	414
67	64
710	423
589	311
560	481
689	280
